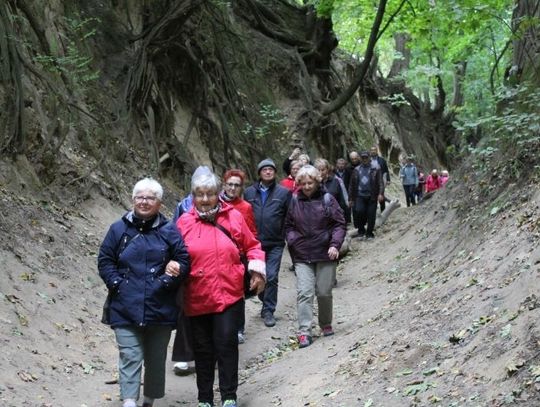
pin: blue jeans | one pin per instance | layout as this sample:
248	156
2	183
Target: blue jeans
409	194
138	344
270	293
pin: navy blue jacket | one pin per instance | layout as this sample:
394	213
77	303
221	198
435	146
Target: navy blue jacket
270	217
132	265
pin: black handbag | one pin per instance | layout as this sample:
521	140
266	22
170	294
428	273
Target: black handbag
247	276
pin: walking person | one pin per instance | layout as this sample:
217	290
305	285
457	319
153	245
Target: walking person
270	203
216	235
433	182
366	189
233	186
331	183
376	159
182	351
315	230
142	260
289	181
344	173
354	158
409	180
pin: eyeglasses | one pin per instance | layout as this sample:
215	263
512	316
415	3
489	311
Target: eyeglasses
209	195
149	199
233	185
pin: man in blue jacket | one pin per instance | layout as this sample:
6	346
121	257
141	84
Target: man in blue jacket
270	202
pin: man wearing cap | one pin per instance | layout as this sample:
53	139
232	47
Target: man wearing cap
366	188
270	202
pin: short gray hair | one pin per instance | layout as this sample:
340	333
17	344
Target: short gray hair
211	181
310	171
149	184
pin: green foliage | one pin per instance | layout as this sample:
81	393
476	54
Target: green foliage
442	34
513	130
75	62
273	123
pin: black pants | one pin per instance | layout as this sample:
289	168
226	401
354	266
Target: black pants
366	211
215	338
409	194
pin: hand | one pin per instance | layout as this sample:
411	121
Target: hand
172	268
257	283
381	198
296	152
350	204
333	253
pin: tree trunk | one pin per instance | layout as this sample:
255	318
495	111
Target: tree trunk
526	56
402	62
459	74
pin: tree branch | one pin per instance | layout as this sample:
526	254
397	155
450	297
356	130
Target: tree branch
344	97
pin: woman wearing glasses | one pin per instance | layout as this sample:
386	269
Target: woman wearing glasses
142	260
233	187
216	234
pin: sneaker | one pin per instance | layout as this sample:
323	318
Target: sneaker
304	341
269	319
229	403
328	330
204	404
370	236
183	369
241	338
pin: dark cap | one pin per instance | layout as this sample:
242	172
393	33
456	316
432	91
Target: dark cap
364	154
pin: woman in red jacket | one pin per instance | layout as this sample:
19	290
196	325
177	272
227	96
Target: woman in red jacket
233	186
433	181
215	234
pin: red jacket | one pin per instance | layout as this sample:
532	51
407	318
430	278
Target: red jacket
216	279
288	183
245	208
433	183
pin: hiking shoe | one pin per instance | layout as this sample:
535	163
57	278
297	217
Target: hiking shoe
269	320
229	403
328	330
304	341
370	236
241	338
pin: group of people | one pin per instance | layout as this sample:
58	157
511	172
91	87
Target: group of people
357	186
190	273
416	184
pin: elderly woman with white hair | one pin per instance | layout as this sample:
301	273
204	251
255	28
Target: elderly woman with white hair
315	230
142	260
216	235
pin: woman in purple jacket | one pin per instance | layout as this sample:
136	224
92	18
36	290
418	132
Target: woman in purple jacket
315	229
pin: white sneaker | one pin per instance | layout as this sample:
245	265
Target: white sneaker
241	338
129	403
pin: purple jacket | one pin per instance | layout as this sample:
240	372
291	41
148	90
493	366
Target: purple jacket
312	226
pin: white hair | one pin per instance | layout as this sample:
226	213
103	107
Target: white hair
148	184
308	171
210	181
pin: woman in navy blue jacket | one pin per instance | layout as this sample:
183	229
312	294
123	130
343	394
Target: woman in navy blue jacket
315	229
142	261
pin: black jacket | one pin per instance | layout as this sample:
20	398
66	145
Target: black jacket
270	216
